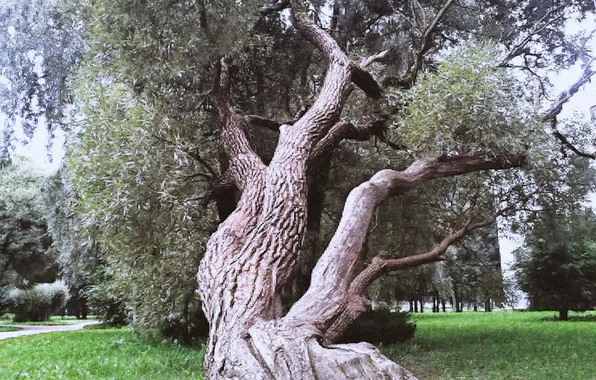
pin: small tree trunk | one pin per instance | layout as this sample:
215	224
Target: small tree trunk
564	314
84	308
443	304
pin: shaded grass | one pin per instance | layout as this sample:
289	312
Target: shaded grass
96	354
8	328
502	345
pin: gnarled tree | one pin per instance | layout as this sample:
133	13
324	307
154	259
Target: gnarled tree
254	251
167	52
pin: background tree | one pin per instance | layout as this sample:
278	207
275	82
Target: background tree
557	263
24	242
40	43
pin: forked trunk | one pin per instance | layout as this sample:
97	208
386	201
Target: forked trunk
253	254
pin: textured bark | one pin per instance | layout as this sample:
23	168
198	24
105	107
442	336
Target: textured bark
253	254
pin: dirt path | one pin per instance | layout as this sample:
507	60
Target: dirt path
32	330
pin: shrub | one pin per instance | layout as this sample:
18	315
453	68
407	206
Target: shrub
380	326
38	302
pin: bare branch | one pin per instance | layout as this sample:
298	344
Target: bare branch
406	79
244	162
567	144
346	130
365	81
275	7
373	58
556	108
378	267
264	122
537	28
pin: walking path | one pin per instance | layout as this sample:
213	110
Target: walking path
32	330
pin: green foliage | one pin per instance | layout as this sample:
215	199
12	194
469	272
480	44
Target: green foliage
40	42
37	303
24	243
380	326
110	308
136	185
497	346
557	264
468	106
96	354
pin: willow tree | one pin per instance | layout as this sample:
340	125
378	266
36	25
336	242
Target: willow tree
233	59
252	254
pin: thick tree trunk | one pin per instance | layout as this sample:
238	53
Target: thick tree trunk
253	254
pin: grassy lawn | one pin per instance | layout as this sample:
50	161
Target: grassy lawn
507	345
54	321
501	345
7	328
96	354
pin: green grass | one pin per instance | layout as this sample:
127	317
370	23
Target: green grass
54	321
506	345
500	345
8	328
96	354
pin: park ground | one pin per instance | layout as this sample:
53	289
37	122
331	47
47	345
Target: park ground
499	345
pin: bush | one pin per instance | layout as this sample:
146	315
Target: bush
38	303
380	326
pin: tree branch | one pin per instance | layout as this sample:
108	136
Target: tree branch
373	58
409	77
346	130
380	266
537	28
275	7
333	273
245	164
557	107
260	121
